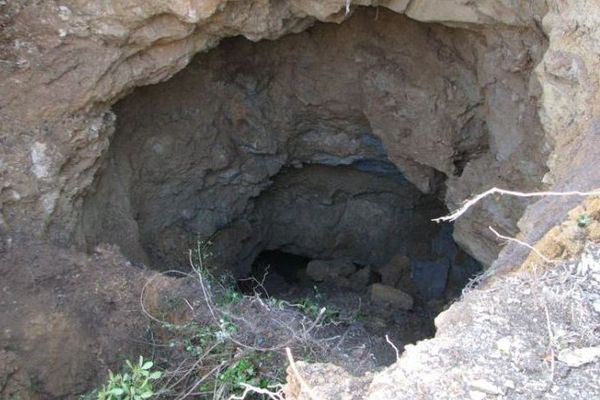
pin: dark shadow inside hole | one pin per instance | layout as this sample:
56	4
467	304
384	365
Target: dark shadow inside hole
285	276
273	272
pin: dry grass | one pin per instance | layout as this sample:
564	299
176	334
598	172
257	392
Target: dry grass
233	346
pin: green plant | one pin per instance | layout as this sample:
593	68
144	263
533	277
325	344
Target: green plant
230	296
312	307
243	371
309	307
134	383
227	282
197	338
277	303
583	220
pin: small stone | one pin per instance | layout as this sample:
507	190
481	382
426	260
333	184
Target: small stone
578	357
504	344
392	272
476	395
596	306
485	386
64	13
383	294
360	279
329	270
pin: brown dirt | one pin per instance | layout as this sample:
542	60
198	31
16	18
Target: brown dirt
66	318
568	239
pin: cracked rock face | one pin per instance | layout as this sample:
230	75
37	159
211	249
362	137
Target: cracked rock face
458	95
431	100
325	212
437	97
64	65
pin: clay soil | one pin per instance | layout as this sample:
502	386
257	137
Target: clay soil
65	318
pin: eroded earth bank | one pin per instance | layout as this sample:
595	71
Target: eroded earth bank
288	156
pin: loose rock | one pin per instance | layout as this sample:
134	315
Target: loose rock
578	357
393	272
388	295
330	270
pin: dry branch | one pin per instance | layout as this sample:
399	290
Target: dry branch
471	202
301	381
522	243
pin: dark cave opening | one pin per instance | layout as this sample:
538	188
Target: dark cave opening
396	289
323	159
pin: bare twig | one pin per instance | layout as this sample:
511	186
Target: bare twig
387	338
522	243
471	202
249	389
199	381
551	340
301	381
207	297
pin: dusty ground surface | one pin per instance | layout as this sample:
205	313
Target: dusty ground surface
529	333
65	318
63	65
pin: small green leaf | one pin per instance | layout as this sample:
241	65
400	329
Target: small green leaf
155	375
147	365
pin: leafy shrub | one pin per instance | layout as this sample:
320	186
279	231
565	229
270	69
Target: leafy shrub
243	371
134	383
583	220
312	307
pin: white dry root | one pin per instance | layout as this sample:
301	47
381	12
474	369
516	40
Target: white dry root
522	243
474	200
471	202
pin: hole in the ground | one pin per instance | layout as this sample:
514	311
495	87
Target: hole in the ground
324	155
399	297
356	239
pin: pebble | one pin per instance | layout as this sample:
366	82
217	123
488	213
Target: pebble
485	386
477	395
578	357
504	344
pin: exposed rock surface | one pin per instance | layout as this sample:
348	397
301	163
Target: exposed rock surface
518	338
287	103
387	295
332	213
502	65
470	115
321	270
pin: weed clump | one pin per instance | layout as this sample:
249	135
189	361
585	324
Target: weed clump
135	382
230	342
